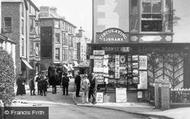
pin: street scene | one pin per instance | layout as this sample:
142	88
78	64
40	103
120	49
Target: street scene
94	59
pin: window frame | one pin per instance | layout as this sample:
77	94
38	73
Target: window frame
7	27
151	19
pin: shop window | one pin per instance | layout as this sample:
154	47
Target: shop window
7	24
57	53
151	17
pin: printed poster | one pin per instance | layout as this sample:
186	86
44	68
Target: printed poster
142	80
121	95
99	97
143	62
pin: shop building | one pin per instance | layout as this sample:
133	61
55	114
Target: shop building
132	50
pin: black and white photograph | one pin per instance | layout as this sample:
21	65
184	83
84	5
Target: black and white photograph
94	59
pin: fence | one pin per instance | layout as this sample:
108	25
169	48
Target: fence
180	95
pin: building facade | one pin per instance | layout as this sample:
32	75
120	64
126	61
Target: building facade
132	49
34	38
81	48
57	38
15	25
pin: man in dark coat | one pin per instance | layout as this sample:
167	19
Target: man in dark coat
20	85
77	83
52	78
65	84
32	86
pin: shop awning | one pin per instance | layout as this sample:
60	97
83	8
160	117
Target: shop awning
26	63
75	63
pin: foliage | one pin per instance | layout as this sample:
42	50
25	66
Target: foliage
7	78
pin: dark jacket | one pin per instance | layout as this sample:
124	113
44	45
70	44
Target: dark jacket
77	80
65	81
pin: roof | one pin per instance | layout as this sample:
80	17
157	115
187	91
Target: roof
4	38
32	3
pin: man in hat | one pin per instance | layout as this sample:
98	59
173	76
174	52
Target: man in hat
65	84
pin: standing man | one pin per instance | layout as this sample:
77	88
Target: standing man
20	85
93	88
85	88
77	83
65	84
52	78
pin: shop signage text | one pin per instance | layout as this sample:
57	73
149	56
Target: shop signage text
113	35
116	49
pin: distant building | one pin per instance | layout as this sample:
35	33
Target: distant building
15	25
82	42
57	38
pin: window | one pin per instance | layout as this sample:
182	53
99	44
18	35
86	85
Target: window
64	38
57	24
22	27
57	53
57	38
151	17
22	10
65	54
8	24
22	47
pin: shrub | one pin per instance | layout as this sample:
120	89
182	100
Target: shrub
7	78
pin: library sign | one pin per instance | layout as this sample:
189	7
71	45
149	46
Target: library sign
112	35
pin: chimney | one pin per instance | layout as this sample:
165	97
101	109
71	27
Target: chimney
81	32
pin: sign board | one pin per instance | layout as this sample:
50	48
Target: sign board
143	62
142	80
98	63
98	52
99	97
121	95
139	94
113	35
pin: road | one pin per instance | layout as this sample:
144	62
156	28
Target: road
62	107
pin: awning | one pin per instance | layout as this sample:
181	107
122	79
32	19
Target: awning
27	64
75	63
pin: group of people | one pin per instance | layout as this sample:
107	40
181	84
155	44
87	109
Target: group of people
88	85
40	81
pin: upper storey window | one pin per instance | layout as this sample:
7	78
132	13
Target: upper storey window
151	16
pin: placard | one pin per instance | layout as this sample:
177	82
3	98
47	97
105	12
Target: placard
121	95
117	62
139	94
143	62
99	97
142	80
98	52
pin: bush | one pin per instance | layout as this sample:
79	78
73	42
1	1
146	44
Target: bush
7	78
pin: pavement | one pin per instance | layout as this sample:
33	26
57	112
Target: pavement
139	108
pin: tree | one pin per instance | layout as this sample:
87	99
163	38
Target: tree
7	78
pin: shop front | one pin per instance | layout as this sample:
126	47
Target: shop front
127	72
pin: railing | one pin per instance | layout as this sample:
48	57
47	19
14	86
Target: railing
180	95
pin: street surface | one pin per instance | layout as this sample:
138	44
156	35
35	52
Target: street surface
63	107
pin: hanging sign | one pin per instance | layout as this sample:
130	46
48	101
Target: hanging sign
121	95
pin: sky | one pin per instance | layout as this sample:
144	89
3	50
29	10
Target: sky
79	13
